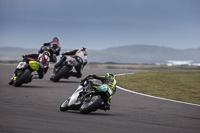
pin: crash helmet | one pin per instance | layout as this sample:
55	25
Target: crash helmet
47	53
84	50
43	57
55	39
110	75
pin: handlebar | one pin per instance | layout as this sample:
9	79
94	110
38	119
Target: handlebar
84	82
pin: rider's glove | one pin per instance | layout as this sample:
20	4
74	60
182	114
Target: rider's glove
89	77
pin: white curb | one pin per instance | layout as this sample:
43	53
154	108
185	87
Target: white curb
124	89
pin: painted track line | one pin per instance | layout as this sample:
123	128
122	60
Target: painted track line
124	89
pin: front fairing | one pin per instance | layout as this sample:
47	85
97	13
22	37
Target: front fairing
21	65
106	89
74	97
71	61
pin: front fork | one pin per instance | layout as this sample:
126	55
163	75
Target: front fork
15	75
12	80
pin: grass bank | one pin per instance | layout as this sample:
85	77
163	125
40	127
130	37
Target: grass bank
154	67
177	85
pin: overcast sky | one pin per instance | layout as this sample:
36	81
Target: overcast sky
99	24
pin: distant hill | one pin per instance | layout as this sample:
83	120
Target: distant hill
14	53
123	54
155	54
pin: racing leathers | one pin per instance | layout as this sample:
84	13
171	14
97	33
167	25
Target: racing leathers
43	59
54	45
108	79
80	55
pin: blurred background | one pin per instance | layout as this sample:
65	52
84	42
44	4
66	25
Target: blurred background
121	31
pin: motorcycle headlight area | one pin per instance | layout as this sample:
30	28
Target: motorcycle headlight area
21	65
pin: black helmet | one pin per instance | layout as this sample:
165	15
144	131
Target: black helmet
55	39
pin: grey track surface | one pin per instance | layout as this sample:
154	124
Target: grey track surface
34	108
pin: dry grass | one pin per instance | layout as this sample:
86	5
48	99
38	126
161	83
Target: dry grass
176	85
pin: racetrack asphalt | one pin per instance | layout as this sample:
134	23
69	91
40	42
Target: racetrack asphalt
34	108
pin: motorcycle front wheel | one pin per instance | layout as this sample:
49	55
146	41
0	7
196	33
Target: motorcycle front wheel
64	106
92	105
20	80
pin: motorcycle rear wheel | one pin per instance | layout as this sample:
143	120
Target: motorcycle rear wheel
63	71
19	81
92	105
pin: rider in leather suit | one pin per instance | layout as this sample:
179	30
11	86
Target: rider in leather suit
54	44
80	55
43	60
108	79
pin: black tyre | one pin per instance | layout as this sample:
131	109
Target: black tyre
64	106
20	80
92	105
63	72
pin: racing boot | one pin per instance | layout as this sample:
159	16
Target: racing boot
106	106
74	74
35	76
29	79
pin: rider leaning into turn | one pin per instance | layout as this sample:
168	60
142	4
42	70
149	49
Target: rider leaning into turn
108	79
44	63
80	55
54	50
54	44
42	59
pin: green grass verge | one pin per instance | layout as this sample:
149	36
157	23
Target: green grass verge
177	85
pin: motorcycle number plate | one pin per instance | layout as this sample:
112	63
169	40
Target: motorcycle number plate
105	88
110	91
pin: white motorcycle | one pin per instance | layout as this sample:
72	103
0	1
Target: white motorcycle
86	99
64	69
